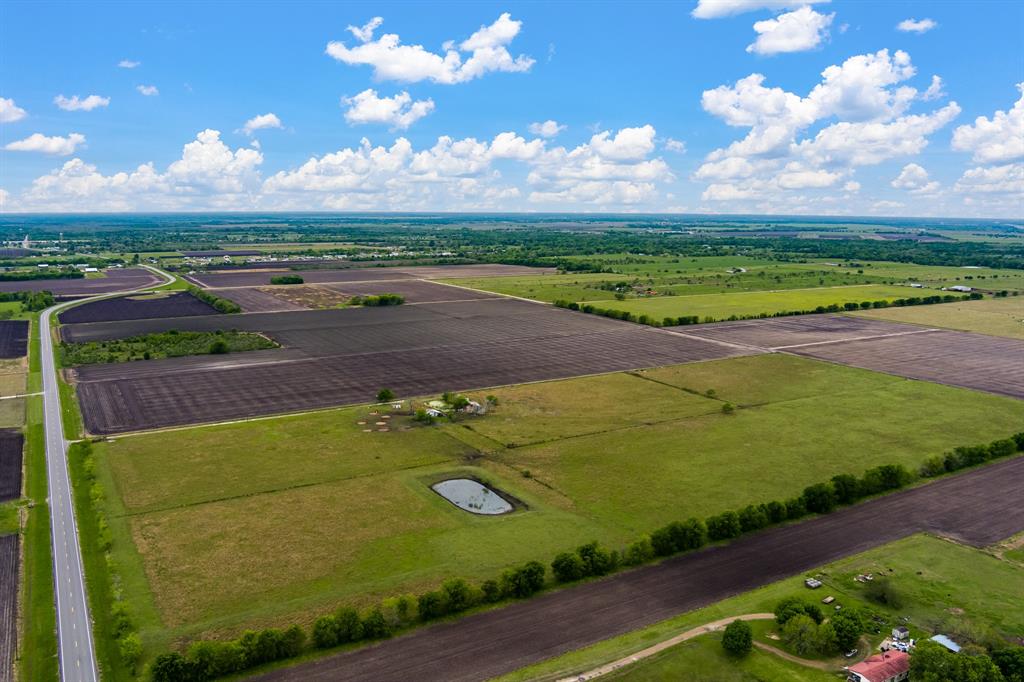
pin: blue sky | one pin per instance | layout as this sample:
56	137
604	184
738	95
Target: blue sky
674	107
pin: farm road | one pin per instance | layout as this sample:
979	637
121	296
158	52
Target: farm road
977	507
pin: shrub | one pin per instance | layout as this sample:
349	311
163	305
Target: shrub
423	417
1002	448
596	559
385	395
286	279
130	649
523	581
776	511
738	639
933	466
491	591
348	625
796	508
458	595
753	518
567	567
325	632
883	591
795	606
724	526
847	488
170	667
375	625
218	347
819	498
430	605
885	477
639	551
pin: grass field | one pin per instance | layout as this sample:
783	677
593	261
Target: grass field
945	588
279	520
724	305
994	316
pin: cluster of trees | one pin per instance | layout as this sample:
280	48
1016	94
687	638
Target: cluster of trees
971	455
208	660
41	273
588	560
31	301
287	279
380	299
169	344
695	319
932	662
804	629
221	305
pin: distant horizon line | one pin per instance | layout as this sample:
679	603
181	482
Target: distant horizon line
525	214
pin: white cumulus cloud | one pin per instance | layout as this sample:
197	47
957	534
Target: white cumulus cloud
915	26
147	90
262	122
74	103
914	179
10	112
56	145
128	64
674	145
399	111
716	9
997	139
391	60
796	31
547	128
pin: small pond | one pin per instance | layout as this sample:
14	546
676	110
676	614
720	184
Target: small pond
472	496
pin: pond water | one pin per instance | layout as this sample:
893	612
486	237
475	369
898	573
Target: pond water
472	496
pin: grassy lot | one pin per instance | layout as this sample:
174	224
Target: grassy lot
13	383
703	660
945	588
279	520
12	412
170	344
994	316
724	305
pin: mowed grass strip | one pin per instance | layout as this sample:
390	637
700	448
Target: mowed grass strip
246	458
531	413
723	305
993	316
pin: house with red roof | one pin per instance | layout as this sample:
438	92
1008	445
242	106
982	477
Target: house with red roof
888	666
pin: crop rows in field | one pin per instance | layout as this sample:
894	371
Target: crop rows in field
9	550
179	304
262	278
13	338
336	357
11	444
116	280
984	363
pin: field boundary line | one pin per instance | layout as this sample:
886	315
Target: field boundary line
858	338
720	342
485	291
666	644
20	395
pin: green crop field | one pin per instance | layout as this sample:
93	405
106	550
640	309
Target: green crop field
945	587
723	305
995	316
279	520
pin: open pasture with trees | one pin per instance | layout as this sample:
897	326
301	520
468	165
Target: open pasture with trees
994	316
191	531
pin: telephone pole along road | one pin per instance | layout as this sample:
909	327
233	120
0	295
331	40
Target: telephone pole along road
74	627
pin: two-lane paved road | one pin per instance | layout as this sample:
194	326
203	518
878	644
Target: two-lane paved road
74	627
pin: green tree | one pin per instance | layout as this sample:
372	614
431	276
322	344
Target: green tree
847	488
724	526
219	347
800	633
1010	661
819	498
849	626
738	639
385	395
568	567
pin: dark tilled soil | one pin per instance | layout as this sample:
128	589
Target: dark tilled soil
338	357
412	291
116	280
250	279
8	605
984	363
253	300
13	338
181	304
978	507
780	332
11	445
